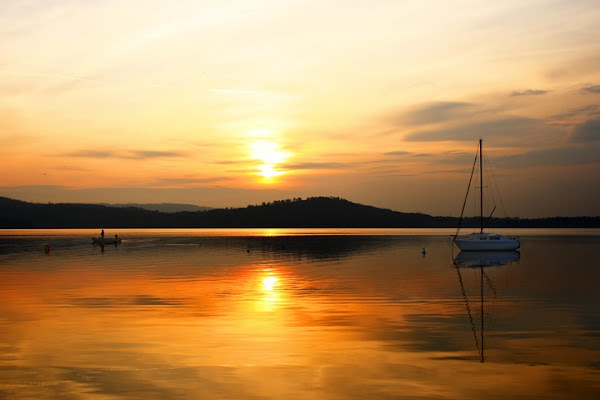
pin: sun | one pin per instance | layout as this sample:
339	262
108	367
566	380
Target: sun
269	153
268	171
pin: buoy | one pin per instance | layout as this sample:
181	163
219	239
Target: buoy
47	249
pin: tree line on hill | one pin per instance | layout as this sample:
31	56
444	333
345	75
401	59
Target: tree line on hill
314	212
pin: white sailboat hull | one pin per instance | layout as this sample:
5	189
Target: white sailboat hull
487	242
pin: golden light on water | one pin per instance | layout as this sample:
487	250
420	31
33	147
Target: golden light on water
269	283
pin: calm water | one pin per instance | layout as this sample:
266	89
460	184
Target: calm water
297	314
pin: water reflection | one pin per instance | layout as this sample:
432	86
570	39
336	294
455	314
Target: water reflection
477	259
481	260
180	316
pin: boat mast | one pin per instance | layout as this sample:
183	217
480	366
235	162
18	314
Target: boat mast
480	188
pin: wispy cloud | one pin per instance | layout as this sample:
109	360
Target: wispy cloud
397	153
126	155
315	165
528	92
147	154
187	181
588	110
592	89
92	154
434	113
506	129
562	156
587	132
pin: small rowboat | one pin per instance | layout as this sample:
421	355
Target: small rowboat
108	240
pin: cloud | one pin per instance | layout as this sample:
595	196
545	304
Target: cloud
35	187
505	128
92	154
587	132
529	92
401	153
592	89
589	110
184	181
315	165
562	156
146	154
230	162
127	155
434	113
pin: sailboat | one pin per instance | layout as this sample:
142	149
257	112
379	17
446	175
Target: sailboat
482	241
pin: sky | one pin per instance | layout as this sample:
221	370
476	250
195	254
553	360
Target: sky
229	103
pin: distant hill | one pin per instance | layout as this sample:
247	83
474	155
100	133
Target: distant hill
161	207
314	212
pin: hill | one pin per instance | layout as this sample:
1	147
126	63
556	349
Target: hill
315	212
161	207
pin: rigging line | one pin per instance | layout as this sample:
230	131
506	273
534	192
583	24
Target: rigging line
494	184
491	199
491	307
491	284
493	295
482	316
464	293
466	196
489	217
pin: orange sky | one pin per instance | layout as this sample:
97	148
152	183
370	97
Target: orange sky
233	103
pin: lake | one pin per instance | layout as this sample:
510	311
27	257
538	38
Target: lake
297	314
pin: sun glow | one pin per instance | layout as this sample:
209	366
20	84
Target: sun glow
268	171
269	153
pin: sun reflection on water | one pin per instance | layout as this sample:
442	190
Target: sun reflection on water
270	285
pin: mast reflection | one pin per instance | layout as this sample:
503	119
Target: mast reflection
481	260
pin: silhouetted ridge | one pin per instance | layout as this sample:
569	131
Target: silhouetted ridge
160	207
314	212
